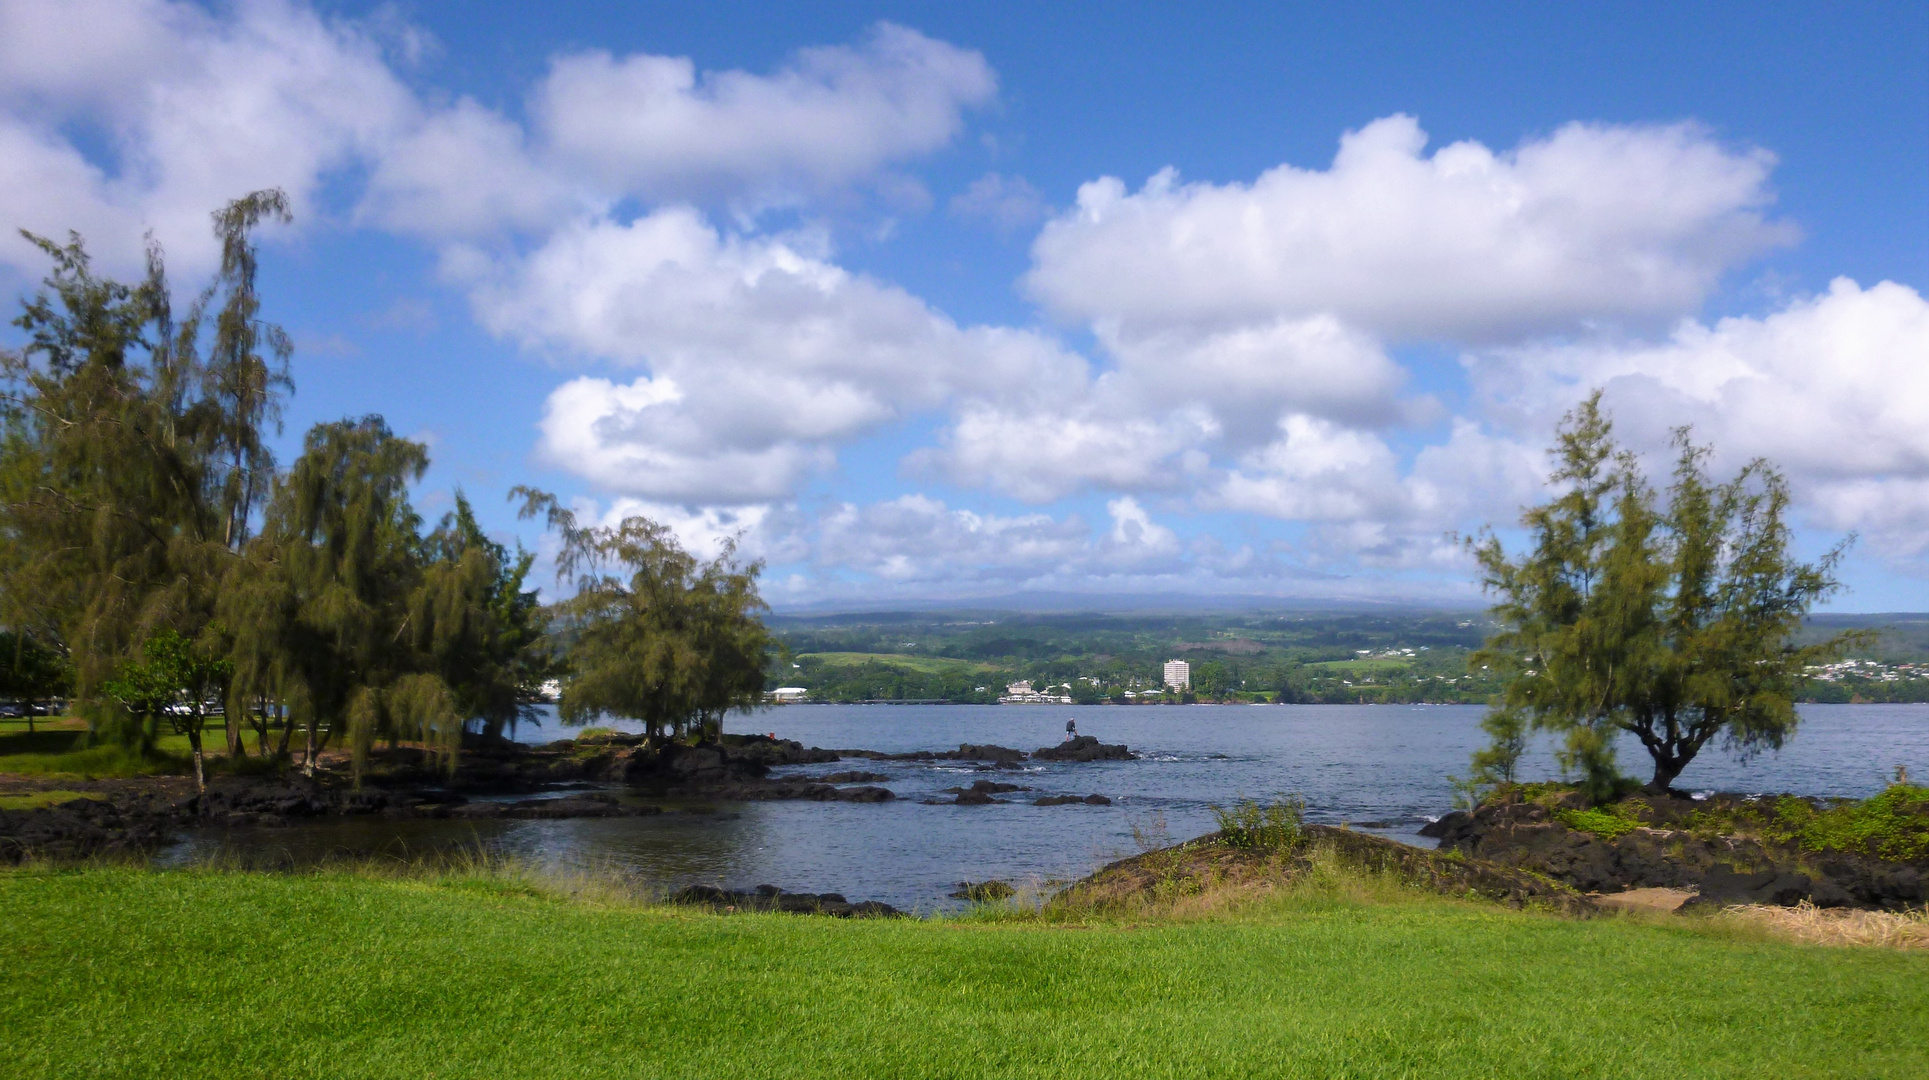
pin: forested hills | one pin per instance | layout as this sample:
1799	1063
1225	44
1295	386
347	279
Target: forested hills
1345	657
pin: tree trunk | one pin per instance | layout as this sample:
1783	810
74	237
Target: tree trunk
200	771
233	725
308	763
1666	768
287	729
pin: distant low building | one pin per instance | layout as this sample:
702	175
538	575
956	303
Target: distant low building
788	695
1021	693
1178	674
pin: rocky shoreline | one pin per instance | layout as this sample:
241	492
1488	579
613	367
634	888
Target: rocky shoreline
1649	841
131	816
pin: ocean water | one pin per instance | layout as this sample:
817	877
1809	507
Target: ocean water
1381	768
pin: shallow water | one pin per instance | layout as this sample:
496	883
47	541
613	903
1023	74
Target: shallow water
1380	764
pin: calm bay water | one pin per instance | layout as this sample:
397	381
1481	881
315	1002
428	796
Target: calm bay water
1384	765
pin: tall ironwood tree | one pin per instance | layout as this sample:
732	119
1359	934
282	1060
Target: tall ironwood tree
130	462
653	633
1673	619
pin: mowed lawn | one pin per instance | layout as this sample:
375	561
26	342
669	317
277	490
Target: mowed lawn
129	973
929	665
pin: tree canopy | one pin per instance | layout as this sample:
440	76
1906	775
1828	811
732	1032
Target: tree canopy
651	632
144	524
1667	615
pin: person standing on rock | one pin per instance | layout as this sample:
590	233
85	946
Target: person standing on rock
1071	729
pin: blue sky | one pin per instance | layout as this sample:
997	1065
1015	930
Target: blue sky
935	302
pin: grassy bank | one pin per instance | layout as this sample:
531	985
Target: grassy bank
121	972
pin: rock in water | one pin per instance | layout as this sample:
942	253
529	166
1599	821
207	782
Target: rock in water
987	787
1084	748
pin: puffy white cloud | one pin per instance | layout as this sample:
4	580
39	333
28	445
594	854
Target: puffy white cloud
759	531
79	53
1135	537
1039	452
1833	388
196	110
762	356
465	171
1247	376
1591	223
651	125
1174	401
1315	471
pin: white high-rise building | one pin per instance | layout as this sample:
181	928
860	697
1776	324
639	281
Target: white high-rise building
1178	674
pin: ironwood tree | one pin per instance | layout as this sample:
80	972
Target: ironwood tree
652	633
130	459
1668	615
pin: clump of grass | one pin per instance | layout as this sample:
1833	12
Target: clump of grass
1606	822
34	800
1810	925
1249	826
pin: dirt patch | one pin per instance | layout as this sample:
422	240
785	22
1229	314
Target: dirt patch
1666	901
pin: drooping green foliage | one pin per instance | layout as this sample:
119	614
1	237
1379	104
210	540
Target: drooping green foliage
1672	619
479	629
652	633
329	596
130	462
140	503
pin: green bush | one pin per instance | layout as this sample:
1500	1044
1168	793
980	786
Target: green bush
1261	828
1893	824
1606	822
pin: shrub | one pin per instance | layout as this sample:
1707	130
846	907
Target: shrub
1893	824
1261	828
1606	822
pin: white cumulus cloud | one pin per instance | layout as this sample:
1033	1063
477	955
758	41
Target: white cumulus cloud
762	357
1591	223
653	126
1833	388
195	110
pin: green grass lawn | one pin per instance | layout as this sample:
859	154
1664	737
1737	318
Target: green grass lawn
1362	667
50	752
130	973
929	665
